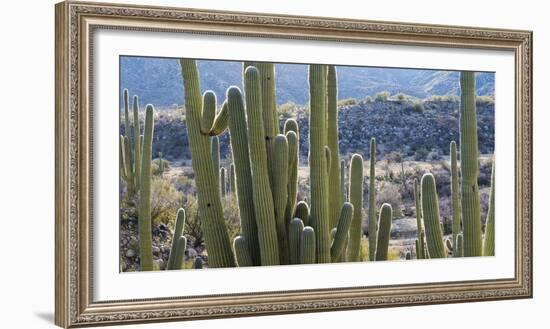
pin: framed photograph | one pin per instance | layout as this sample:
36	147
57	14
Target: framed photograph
219	164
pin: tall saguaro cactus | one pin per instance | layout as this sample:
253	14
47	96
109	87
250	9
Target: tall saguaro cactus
262	196
280	193
210	206
419	226
489	240
455	196
356	199
469	167
144	215
383	238
335	192
373	226
319	215
137	146
430	214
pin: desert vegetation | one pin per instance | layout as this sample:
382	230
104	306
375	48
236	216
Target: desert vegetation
268	185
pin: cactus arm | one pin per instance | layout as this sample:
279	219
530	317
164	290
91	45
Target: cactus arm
209	203
356	199
128	163
242	254
455	194
144	214
335	191
459	246
319	216
122	158
373	226
294	234
127	132
180	252
178	231
208	111
343	180
280	193
342	231
307	246
293	152
220	122
137	146
243	172
430	214
384	229
471	220
449	246
489	241
262	196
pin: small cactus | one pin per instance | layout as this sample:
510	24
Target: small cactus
430	214
179	254
302	212
178	231
294	236
307	246
342	231
384	229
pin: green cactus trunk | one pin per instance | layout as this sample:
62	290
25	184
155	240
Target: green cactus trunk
220	122
458	246
471	220
294	235
430	215
144	215
419	228
122	159
455	195
302	212
208	112
137	146
489	240
343	180
243	172
335	191
373	226
232	182
222	182
215	151
262	196
209	203
319	216
130	181
291	133
383	239
342	232
356	199
280	194
179	254
178	231
307	246
242	254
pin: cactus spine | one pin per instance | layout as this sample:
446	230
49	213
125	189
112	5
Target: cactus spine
356	199
373	226
280	193
263	200
384	230
307	246
242	254
210	207
144	215
489	240
342	231
178	231
419	228
294	235
335	192
455	196
319	216
469	155
430	215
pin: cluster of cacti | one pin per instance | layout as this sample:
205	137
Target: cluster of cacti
467	238
275	227
130	147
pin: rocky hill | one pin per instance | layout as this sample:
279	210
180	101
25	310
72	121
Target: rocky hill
158	80
418	131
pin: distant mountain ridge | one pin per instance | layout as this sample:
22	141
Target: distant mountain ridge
158	80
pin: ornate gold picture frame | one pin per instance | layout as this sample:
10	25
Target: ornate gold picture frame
76	23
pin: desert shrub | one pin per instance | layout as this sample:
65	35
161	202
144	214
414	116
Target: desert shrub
165	201
347	102
368	99
434	155
417	107
401	97
393	253
231	214
389	193
443	98
155	165
192	228
185	184
485	100
421	154
288	109
382	96
393	156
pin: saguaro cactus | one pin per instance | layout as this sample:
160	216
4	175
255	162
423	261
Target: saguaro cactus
430	214
302	212
144	215
263	199
242	254
243	172
137	146
178	231
419	226
319	216
469	167
280	193
291	133
489	240
335	192
223	187
383	238
294	235
356	199
215	151
455	196
210	206
373	226
307	246
342	232
180	252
